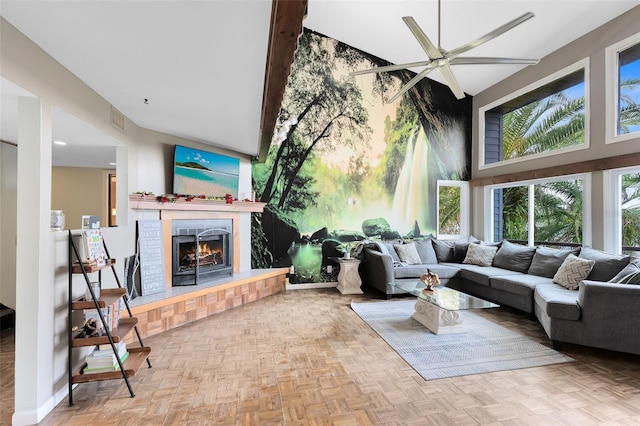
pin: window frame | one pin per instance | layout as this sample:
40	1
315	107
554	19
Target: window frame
612	87
464	208
576	66
612	208
586	205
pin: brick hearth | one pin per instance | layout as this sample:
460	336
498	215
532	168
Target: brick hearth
175	310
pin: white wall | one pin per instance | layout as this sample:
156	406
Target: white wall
591	46
144	163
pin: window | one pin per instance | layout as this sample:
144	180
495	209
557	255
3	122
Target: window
549	210
625	208
623	85
453	209
511	213
542	119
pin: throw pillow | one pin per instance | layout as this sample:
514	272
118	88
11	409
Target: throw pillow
460	247
443	249
607	265
629	275
460	251
408	253
546	261
391	251
426	252
514	257
480	255
573	270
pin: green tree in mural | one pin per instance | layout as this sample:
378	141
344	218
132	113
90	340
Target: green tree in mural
328	110
396	136
432	105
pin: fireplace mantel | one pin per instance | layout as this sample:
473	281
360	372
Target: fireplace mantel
150	202
195	209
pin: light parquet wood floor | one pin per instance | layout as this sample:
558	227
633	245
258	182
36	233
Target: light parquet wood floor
304	357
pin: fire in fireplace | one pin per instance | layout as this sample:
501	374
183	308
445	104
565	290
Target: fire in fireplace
202	250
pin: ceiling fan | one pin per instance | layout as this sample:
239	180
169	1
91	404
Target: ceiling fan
442	59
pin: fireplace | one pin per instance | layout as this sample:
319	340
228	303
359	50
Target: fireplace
201	250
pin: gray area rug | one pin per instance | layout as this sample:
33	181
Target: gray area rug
483	347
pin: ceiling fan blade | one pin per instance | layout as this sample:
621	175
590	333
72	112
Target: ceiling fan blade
391	68
430	49
446	72
493	34
480	61
411	83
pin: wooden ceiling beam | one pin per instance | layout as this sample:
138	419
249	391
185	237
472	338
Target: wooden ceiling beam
608	163
286	28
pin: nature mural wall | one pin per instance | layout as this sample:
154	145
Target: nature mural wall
346	166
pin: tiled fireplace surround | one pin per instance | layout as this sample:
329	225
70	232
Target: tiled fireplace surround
181	305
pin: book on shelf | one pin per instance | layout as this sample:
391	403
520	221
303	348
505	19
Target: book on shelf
90	246
105	366
106	347
99	359
106	350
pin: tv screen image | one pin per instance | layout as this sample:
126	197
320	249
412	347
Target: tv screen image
197	172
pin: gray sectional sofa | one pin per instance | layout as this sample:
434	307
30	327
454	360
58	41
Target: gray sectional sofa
600	309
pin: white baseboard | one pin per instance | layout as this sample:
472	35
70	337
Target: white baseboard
32	417
307	286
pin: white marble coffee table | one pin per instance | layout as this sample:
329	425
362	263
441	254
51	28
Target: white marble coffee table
439	309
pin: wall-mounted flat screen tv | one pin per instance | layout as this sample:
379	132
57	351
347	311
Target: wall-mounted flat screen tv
197	172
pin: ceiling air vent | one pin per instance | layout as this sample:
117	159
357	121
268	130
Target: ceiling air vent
117	119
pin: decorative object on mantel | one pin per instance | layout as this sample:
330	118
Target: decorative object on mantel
172	198
430	279
147	200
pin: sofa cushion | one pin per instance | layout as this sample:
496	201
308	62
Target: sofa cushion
514	257
607	265
557	302
410	271
523	285
630	274
572	271
426	252
480	255
483	274
547	261
444	250
408	253
445	271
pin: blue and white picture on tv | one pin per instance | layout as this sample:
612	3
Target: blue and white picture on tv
197	172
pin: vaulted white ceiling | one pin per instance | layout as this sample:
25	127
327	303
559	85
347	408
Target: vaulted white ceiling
201	64
376	27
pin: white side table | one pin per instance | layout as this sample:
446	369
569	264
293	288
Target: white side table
348	278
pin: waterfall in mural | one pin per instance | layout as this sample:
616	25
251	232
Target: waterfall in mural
411	198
